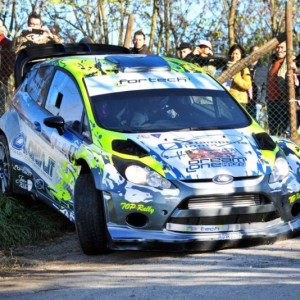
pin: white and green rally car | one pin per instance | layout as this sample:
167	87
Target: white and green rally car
144	152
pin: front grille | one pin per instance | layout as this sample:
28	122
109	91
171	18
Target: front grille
224	209
225	201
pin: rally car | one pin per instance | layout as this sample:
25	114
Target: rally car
144	152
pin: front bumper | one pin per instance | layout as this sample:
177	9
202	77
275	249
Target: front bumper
122	238
203	216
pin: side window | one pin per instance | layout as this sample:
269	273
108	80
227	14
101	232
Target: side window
38	83
85	128
64	100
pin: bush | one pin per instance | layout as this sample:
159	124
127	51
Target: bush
24	221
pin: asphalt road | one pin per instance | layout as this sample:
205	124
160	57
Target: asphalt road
59	270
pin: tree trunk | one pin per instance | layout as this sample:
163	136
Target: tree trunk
231	23
269	46
153	25
104	21
289	54
129	29
121	26
167	26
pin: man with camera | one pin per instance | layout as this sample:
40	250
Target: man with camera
204	57
36	33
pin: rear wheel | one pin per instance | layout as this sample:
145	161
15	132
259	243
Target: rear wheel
5	167
89	216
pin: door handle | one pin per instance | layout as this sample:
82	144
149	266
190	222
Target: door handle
37	126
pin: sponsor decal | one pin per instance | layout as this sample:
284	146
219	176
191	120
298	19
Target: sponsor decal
35	153
122	82
39	184
211	153
137	207
229	236
207	152
215	163
67	148
25	184
18	142
23	169
202	147
293	198
69	213
149	80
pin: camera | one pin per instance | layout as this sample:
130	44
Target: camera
37	31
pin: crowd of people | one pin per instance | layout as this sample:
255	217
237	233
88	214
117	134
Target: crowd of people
260	88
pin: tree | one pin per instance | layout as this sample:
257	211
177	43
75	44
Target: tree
153	24
167	23
231	23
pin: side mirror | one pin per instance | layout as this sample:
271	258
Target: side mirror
57	122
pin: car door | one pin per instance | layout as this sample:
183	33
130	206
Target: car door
24	130
64	100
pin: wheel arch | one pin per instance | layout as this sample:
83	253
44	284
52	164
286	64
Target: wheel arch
3	134
86	169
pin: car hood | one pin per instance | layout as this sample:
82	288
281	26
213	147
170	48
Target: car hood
203	155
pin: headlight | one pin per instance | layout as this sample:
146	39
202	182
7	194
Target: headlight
145	176
280	171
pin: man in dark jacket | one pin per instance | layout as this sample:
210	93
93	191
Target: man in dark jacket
257	94
184	49
139	42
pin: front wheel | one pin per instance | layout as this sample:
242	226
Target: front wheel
5	167
89	216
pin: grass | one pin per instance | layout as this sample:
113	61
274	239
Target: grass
25	222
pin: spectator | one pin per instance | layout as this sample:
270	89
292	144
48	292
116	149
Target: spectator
86	40
204	48
240	83
7	62
139	42
35	34
277	92
257	93
204	57
185	49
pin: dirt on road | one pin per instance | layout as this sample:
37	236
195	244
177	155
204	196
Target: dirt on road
59	270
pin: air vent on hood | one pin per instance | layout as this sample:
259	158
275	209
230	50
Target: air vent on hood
139	63
128	147
264	141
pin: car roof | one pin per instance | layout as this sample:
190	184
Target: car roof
29	56
96	59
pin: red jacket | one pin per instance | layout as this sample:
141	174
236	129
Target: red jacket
7	58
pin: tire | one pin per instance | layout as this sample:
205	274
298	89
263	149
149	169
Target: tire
89	216
5	167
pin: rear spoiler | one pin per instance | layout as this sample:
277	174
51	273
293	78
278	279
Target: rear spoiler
28	56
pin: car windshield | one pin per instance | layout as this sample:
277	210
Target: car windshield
168	110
